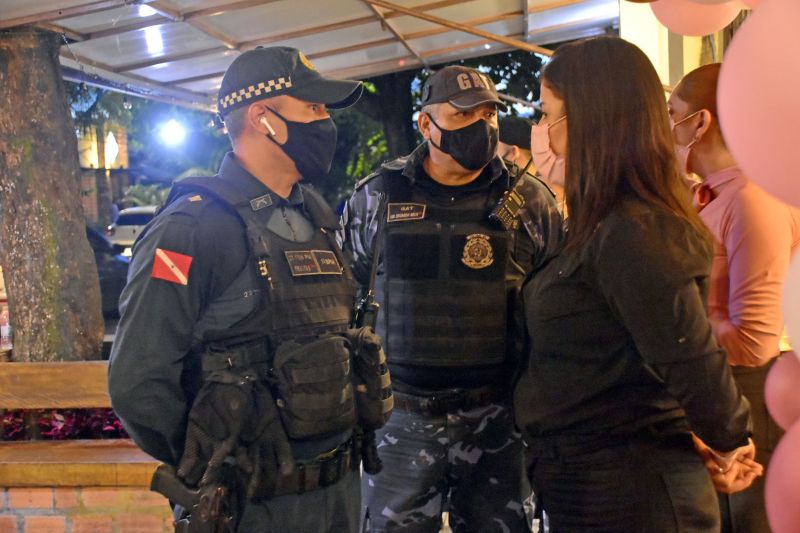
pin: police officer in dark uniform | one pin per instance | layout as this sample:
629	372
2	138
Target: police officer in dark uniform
515	149
233	352
514	146
452	265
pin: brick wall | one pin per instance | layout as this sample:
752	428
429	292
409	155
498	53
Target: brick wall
83	510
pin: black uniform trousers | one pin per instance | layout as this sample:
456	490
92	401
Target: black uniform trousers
642	485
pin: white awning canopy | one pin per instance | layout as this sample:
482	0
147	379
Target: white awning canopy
177	50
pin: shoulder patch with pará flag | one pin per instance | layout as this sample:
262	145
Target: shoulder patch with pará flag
171	266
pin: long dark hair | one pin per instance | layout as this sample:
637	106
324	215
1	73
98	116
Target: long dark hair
619	139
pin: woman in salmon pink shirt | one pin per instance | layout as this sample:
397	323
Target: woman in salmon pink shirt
756	235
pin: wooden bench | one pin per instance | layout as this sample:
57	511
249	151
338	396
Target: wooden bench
66	463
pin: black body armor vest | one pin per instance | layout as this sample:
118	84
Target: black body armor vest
308	288
443	290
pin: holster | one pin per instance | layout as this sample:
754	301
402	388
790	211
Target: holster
215	508
371	379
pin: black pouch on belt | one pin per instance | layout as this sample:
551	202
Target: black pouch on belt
314	389
371	380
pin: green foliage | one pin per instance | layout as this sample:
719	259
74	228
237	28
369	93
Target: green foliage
204	146
515	73
139	195
364	162
91	106
361	146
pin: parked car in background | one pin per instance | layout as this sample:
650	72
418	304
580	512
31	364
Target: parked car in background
129	224
112	268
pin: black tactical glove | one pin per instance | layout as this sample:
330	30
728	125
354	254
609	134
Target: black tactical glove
233	415
266	447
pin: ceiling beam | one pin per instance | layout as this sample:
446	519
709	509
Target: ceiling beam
225	8
326	53
426	7
145	22
475	22
168	59
55	28
390	26
526	15
377	68
86	8
462	46
553	5
514	43
84	62
176	16
305	32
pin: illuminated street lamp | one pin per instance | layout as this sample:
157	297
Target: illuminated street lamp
172	133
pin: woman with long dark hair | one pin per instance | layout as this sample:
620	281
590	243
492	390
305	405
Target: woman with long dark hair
623	366
755	236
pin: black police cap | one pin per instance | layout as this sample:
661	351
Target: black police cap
266	72
462	87
516	131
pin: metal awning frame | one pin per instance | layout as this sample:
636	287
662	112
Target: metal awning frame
120	78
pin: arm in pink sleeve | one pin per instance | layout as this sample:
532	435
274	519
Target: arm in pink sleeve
758	243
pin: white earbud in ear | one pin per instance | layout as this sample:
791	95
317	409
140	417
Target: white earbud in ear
267	125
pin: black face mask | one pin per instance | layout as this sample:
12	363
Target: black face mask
310	145
472	146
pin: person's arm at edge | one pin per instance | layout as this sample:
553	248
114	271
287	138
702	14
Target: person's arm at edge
154	336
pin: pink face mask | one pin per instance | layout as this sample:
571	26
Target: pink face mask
549	166
681	151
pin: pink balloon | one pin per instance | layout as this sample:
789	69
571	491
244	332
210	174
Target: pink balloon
781	390
757	98
689	18
791	303
710	2
782	489
751	3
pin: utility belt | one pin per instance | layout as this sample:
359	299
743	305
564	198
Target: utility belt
217	508
322	471
442	402
322	385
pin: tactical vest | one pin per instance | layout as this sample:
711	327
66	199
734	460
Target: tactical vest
308	294
443	291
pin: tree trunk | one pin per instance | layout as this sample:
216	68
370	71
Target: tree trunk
395	110
50	274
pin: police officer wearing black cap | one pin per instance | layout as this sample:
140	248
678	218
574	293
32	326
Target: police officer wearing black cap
515	144
452	266
231	363
515	150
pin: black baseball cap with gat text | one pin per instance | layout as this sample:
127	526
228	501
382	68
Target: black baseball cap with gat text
462	87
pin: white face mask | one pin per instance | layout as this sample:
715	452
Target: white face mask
549	166
681	151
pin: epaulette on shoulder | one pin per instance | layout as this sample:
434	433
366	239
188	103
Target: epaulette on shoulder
532	180
363	182
390	166
187	198
396	164
191	203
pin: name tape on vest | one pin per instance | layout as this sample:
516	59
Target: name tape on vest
404	212
313	262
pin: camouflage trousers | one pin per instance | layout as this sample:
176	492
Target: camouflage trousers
469	463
